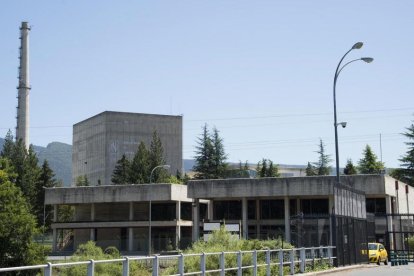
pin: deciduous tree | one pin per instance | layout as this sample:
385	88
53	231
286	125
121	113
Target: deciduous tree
17	227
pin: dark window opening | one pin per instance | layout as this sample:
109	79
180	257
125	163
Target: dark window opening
251	209
230	210
315	207
376	205
186	210
163	211
272	209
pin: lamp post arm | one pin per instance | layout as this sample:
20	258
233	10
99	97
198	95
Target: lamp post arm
340	70
337	71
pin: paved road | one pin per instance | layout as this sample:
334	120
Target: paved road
375	270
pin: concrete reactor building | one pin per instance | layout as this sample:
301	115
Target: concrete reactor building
100	141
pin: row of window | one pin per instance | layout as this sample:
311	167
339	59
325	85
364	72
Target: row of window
222	210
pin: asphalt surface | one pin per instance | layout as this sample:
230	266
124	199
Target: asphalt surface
376	270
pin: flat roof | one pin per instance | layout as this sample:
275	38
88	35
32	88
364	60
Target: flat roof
116	193
288	186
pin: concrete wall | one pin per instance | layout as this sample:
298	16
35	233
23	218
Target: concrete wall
100	141
116	193
262	187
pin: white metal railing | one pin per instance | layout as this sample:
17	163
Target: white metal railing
291	259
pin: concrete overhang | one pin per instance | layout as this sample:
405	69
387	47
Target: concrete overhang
371	185
116	193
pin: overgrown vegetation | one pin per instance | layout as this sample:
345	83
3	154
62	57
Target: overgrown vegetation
90	251
223	241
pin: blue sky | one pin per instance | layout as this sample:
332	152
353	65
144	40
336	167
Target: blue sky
259	71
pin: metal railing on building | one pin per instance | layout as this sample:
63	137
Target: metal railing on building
269	261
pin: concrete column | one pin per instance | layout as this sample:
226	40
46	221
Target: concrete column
131	211
55	213
196	219
388	210
298	211
130	229
287	219
258	218
54	241
244	218
178	225
92	230
92	212
210	214
130	239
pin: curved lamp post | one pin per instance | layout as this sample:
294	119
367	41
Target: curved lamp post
160	166
339	69
150	205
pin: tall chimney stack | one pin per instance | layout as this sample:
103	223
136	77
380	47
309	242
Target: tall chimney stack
22	129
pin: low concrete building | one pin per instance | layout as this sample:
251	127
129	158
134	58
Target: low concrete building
302	210
118	215
306	211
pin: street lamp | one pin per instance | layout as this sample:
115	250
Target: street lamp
357	45
160	166
150	205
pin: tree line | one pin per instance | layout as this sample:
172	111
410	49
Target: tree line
138	170
368	164
22	210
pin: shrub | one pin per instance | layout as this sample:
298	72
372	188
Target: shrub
90	251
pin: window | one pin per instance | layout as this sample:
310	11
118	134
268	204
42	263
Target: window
376	205
227	210
272	209
315	206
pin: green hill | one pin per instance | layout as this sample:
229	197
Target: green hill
59	156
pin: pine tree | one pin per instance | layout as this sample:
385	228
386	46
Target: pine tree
406	173
204	156
31	176
310	170
273	170
140	166
46	180
219	156
120	174
266	168
322	166
156	158
350	168
369	164
8	146
82	180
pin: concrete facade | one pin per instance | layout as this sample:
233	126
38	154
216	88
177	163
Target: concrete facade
347	201
118	215
100	141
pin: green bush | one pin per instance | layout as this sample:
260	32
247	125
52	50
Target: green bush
223	241
90	251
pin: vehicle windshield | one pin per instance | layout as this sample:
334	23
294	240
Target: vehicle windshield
372	246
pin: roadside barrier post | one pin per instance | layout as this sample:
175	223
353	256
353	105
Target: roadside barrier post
125	267
268	261
302	260
239	264
48	270
222	264
91	267
181	264
280	262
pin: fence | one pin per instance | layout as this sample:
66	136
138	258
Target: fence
270	261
